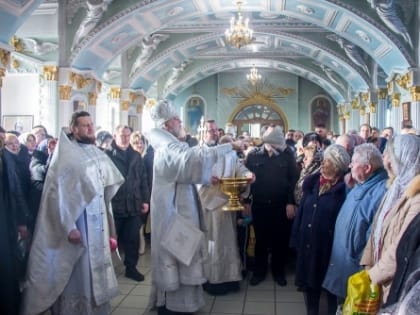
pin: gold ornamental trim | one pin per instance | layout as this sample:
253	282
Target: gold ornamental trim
4	57
404	80
362	110
415	93
2	74
355	104
125	105
65	92
396	98
51	73
372	107
93	96
115	92
80	80
382	93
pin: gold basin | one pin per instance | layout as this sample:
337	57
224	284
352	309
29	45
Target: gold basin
233	187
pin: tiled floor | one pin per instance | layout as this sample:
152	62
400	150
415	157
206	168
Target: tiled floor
265	299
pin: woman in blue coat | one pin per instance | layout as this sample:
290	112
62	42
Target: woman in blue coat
313	228
352	228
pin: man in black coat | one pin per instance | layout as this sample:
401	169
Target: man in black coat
131	200
273	204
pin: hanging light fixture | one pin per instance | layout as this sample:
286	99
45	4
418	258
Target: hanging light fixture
239	34
253	76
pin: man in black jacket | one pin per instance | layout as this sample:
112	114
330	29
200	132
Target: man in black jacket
273	204
131	200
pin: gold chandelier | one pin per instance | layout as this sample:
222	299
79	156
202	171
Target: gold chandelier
253	76
239	34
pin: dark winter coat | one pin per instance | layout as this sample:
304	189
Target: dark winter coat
276	177
313	230
134	192
9	279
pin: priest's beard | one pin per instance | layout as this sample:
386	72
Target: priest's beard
86	140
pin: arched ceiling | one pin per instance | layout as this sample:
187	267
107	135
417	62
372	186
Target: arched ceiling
337	44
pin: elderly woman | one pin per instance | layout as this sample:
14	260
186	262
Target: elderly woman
355	218
398	208
313	228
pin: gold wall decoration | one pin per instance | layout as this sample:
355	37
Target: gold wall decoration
390	87
65	92
93	96
4	57
115	92
364	96
396	97
355	103
15	64
2	74
382	93
17	44
125	105
372	107
98	86
404	80
347	115
50	73
362	110
415	93
80	80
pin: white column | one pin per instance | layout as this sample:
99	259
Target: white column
381	108
48	107
415	106
396	115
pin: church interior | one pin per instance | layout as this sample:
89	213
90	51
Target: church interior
295	63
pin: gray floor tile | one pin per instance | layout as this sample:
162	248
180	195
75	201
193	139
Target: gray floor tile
259	308
290	308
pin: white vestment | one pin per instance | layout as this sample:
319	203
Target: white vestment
176	170
77	279
223	263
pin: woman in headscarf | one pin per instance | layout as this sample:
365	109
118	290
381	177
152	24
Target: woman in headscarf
313	228
29	140
398	208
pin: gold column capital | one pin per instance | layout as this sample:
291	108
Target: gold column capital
415	93
4	57
372	107
115	92
125	105
93	96
382	93
51	73
355	103
2	74
139	109
80	80
65	92
362	110
396	97
346	115
404	80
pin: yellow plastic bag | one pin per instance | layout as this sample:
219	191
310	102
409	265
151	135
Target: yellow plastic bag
363	297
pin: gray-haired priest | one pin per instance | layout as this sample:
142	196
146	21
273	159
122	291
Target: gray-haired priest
177	239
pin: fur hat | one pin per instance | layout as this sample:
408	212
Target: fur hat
338	155
274	136
162	112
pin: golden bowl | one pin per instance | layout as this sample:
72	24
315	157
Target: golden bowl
233	187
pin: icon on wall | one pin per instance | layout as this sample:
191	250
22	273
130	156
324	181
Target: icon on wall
321	112
19	123
194	112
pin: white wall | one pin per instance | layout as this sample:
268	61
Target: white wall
20	96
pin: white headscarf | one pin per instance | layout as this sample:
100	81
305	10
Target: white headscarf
405	162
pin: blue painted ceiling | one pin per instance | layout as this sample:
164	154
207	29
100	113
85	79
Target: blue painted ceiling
335	43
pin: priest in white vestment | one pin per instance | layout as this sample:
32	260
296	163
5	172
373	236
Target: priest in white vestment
223	267
70	269
178	246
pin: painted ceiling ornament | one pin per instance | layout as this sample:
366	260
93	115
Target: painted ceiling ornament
37	47
392	15
148	45
175	74
304	9
95	11
331	75
353	52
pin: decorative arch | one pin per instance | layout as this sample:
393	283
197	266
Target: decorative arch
257	109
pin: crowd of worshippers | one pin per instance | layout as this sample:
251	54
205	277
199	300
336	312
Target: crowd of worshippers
329	205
